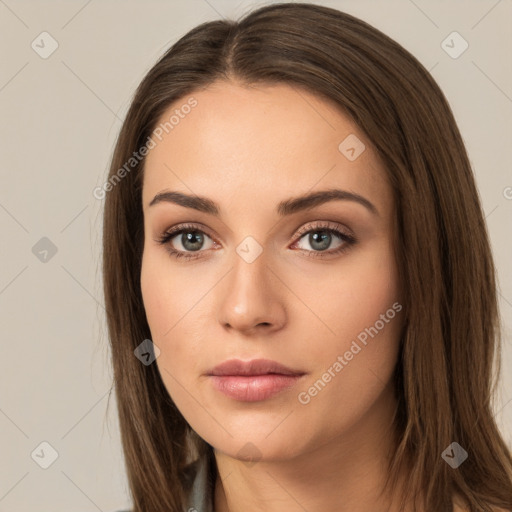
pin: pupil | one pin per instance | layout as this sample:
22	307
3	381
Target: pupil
192	241
324	242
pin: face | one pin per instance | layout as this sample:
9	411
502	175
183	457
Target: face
310	285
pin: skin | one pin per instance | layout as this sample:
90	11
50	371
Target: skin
248	148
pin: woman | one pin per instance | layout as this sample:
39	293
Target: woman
299	287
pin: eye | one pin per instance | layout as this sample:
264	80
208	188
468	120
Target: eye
190	240
320	236
189	236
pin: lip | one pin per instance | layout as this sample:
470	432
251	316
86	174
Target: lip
254	380
252	367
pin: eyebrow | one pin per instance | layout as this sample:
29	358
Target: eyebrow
287	207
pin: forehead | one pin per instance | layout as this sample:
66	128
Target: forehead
249	145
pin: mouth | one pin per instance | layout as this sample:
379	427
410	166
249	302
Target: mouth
253	381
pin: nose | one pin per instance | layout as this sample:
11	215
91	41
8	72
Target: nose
251	299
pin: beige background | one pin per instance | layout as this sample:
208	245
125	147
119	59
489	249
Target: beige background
60	118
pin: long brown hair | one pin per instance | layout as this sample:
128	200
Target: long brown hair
444	374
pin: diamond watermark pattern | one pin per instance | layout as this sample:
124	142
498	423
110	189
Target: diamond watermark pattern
147	352
44	45
44	455
249	453
44	250
351	147
249	249
454	45
454	455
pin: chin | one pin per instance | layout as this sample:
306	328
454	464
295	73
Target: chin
257	447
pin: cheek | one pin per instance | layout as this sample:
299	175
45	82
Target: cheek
175	312
352	299
353	361
164	304
168	295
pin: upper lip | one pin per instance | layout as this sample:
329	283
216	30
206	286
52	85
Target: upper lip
252	367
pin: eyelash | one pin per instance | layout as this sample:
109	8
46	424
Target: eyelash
349	240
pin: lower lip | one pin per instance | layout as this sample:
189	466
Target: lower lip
253	388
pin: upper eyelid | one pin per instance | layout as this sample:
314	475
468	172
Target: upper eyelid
186	226
321	224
